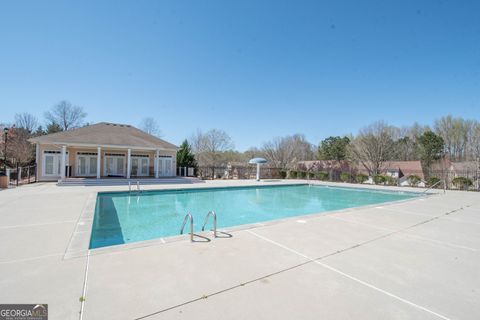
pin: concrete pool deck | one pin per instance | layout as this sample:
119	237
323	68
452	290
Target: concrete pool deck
417	259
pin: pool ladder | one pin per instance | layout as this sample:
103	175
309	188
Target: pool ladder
211	213
436	184
189	218
130	186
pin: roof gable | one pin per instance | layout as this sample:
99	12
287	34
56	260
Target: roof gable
106	134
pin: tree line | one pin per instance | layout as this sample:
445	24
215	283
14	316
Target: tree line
371	147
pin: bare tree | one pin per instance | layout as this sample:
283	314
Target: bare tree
66	115
373	146
19	149
253	152
474	141
151	126
26	121
210	146
278	152
285	152
454	132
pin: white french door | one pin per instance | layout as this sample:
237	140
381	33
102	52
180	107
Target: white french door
140	166
52	161
165	167
114	165
86	164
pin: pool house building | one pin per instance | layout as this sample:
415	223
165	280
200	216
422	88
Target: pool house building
103	150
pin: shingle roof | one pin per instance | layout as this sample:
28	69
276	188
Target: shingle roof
407	167
106	134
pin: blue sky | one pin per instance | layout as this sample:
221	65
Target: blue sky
256	69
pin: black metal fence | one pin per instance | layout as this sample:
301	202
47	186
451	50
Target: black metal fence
458	179
454	180
237	172
22	175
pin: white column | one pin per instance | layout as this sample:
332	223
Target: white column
155	165
129	163
62	163
37	153
99	162
37	161
258	171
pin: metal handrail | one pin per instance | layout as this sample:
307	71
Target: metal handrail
130	186
188	217
432	186
211	213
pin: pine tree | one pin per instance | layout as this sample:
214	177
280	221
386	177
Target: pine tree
185	157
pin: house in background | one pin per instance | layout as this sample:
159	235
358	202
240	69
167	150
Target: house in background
103	150
401	170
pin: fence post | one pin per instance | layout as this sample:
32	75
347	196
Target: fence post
17	174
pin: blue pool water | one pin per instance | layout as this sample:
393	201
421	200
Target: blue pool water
122	217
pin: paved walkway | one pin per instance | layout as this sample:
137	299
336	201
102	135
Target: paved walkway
418	259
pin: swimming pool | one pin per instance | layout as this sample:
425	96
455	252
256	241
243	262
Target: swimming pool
123	217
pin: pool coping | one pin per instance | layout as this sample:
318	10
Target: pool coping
79	245
206	188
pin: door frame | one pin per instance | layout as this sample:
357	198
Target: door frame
139	157
57	160
163	158
114	156
87	155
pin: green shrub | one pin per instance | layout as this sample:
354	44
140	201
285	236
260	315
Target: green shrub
301	175
432	181
322	175
361	178
345	176
391	181
462	182
413	180
379	179
311	175
293	174
282	174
